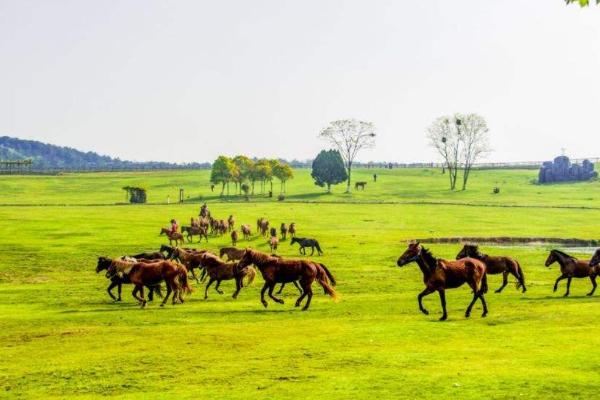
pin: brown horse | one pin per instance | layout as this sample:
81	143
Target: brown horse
234	237
273	242
219	270
496	265
104	264
232	253
277	270
150	274
570	268
192	231
189	258
263	226
595	259
283	229
173	236
292	229
246	231
231	222
439	275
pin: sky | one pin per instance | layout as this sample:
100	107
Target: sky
186	81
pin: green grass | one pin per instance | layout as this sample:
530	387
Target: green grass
61	336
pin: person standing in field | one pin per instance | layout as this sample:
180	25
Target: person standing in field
374	177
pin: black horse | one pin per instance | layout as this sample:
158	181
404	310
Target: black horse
305	242
115	281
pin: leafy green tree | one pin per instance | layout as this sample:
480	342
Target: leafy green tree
328	169
223	171
283	172
582	3
262	172
244	166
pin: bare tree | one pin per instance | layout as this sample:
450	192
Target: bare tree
444	136
349	136
474	142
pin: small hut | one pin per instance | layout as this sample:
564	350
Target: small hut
137	195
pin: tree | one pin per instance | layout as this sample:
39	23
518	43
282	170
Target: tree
244	166
582	3
328	169
443	135
349	136
283	172
223	171
261	172
474	141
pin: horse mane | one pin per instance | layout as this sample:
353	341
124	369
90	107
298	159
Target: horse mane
430	260
562	253
259	257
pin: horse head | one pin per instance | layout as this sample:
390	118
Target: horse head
103	263
412	253
468	250
595	259
552	258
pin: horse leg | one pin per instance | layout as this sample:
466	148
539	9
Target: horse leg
485	310
504	282
217	287
281	288
593	279
203	275
271	288
119	290
262	294
470	307
238	287
169	290
194	275
312	250
298	287
210	282
560	278
303	294
176	292
309	293
568	287
110	287
142	296
150	293
442	294
424	293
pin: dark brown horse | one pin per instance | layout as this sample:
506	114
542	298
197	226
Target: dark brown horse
173	236
277	270
151	274
189	258
283	229
104	264
232	253
570	268
595	259
496	265
439	275
219	270
292	229
234	237
231	222
192	231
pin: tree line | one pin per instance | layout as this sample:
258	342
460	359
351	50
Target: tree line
245	173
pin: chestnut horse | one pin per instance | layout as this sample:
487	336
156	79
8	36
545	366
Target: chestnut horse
173	236
232	253
496	265
273	242
439	275
570	268
189	258
277	270
234	237
246	231
104	264
151	274
219	270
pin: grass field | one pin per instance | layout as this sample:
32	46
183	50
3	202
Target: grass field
61	336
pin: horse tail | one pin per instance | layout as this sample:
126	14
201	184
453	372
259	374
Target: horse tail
318	247
250	275
521	275
183	278
329	275
329	289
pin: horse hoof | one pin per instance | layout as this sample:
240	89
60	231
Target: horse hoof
498	291
566	295
467	315
484	315
424	311
590	294
443	318
265	304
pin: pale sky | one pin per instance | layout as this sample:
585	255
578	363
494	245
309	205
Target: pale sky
189	80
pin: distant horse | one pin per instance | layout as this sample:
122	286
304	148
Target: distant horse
273	242
231	222
360	184
283	229
495	265
439	275
192	231
152	255
570	268
292	229
104	264
234	237
264	227
218	271
246	231
173	236
150	274
232	253
273	232
277	270
305	242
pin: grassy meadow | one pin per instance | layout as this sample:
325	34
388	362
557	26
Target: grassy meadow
62	336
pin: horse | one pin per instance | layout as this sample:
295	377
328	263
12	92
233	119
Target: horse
246	231
360	184
283	229
273	242
231	222
495	265
304	242
219	270
570	268
192	231
189	258
104	264
439	275
149	274
232	253
595	260
234	237
277	270
292	229
273	232
264	227
173	236
152	255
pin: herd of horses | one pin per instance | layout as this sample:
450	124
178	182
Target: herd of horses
171	265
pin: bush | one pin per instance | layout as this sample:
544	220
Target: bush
281	197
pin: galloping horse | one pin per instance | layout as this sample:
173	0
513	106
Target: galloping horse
232	253
192	231
277	270
218	271
104	264
189	258
495	265
173	236
151	274
439	275
570	268
304	243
